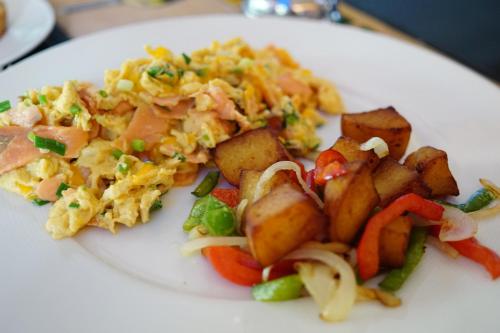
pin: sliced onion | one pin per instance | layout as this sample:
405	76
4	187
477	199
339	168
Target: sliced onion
378	145
373	294
486	212
490	186
456	225
284	165
443	247
318	280
240	209
266	272
335	299
200	243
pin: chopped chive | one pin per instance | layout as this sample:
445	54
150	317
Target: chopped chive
46	143
31	136
117	153
43	99
123	167
39	202
201	72
138	145
63	187
157	204
169	73
205	137
179	156
187	59
103	93
75	109
155	71
4	106
180	72
74	204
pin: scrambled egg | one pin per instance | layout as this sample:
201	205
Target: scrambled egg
188	103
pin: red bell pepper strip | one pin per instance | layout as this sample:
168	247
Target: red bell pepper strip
229	196
475	251
367	253
329	164
310	180
234	265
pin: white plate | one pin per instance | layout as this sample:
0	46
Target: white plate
137	280
29	23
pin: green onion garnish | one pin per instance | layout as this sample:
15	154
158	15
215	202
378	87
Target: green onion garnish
74	204
39	202
179	156
187	59
138	145
103	93
180	72
4	106
117	153
75	109
201	72
43	99
63	187
155	71
46	143
123	167
157	204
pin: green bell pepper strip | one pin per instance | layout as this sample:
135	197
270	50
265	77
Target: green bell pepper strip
397	277
478	200
282	289
213	214
207	184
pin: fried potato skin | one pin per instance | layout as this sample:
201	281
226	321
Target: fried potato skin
392	180
385	123
280	222
349	199
434	171
253	150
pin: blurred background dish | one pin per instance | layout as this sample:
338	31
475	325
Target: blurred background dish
28	23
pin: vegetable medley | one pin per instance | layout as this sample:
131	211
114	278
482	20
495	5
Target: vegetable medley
360	212
105	156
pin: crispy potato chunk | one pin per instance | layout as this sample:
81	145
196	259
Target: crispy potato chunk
349	199
385	123
280	222
393	180
394	242
253	150
350	149
432	166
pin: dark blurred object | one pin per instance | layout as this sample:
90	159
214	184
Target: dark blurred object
56	36
468	31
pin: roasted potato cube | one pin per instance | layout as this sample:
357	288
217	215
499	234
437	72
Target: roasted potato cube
349	199
350	149
280	222
432	166
394	242
385	123
393	180
253	150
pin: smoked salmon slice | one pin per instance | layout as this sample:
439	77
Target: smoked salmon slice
17	150
145	125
